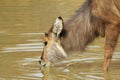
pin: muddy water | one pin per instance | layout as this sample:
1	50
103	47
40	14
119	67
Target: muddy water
22	23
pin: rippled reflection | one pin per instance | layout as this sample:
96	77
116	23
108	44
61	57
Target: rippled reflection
22	27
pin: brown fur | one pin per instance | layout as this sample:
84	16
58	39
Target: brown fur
81	29
95	18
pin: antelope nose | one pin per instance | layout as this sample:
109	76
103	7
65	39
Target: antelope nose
42	63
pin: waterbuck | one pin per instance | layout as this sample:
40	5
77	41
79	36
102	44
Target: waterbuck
93	19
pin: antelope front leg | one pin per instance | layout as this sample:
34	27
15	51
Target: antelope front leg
111	34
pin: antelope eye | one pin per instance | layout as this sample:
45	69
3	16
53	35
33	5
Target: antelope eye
45	43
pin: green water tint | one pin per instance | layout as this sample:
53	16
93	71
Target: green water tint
22	24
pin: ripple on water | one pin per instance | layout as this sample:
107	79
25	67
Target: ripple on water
94	77
32	34
78	60
39	75
25	47
26	61
66	70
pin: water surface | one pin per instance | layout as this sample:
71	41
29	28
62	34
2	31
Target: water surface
22	24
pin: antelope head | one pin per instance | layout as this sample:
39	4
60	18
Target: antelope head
53	50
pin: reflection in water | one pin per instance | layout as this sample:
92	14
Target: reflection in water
75	71
45	72
22	26
107	76
65	74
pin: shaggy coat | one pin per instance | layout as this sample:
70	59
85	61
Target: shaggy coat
94	18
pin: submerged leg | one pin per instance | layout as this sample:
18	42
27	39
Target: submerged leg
111	33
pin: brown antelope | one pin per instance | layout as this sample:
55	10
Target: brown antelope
94	18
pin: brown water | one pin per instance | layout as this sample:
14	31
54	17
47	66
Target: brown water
22	23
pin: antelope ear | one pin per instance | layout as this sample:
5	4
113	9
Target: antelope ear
58	26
